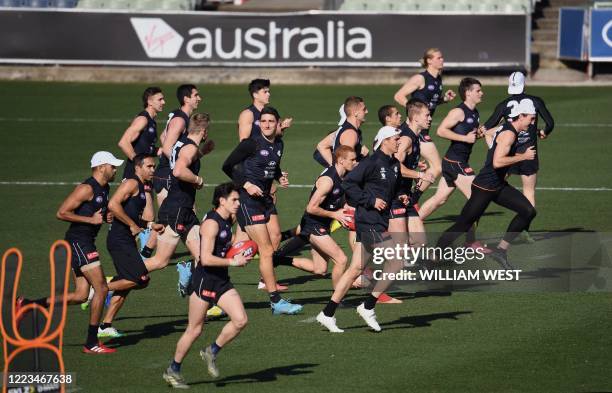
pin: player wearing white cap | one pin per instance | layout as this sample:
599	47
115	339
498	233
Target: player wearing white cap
526	169
372	186
86	209
490	184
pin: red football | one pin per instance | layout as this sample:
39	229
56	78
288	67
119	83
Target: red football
351	213
249	247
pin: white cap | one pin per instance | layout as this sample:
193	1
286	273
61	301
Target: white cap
384	133
104	157
342	115
525	107
516	83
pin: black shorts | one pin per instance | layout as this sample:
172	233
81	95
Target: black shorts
371	239
181	219
161	179
309	226
451	169
209	287
412	211
527	167
398	209
254	211
127	260
84	252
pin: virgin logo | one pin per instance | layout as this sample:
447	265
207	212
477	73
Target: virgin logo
158	39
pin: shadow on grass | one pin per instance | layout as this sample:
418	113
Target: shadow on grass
267	375
416	321
451	218
149	332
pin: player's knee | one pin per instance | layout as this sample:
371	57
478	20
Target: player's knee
341	260
435	170
265	251
275	238
194	330
81	296
354	271
530	213
144	281
101	289
320	270
241	322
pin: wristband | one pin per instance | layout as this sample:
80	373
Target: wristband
150	225
233	262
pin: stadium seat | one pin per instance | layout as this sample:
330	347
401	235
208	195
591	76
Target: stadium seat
91	4
63	3
509	6
10	3
35	3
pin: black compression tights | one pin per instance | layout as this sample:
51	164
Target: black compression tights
508	197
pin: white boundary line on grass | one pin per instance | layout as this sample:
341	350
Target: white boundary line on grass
225	121
68	183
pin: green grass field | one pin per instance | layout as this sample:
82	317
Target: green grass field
460	342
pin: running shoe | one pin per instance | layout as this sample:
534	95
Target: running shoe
369	316
211	361
109	332
175	379
285	307
329	323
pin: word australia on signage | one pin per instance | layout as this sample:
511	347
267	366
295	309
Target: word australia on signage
226	39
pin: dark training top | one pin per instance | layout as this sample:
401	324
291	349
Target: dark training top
181	193
255	129
145	143
431	93
377	176
223	242
133	207
255	160
164	162
348	126
78	230
334	199
530	136
411	160
490	178
460	151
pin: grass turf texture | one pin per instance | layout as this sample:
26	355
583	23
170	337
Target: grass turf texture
459	342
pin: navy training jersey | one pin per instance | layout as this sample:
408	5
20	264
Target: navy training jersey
348	126
164	162
255	129
334	199
460	151
133	207
223	242
99	201
181	193
490	178
411	160
145	143
431	93
262	167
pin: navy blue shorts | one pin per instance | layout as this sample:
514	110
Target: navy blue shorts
84	252
451	169
209	287
254	211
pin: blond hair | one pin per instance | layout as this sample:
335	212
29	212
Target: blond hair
428	55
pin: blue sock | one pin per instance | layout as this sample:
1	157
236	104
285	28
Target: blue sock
214	348
175	366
